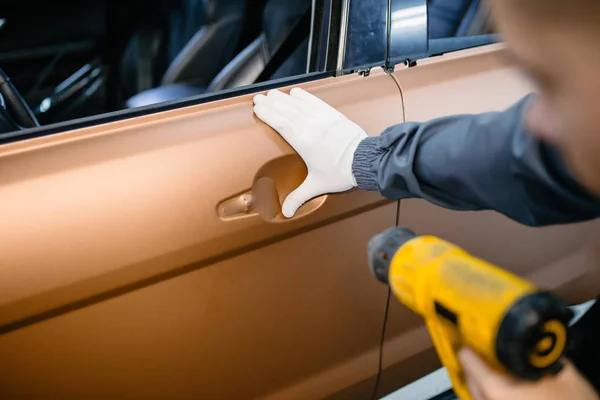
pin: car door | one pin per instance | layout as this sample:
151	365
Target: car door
473	81
143	255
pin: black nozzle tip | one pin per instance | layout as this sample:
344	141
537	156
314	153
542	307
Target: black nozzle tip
525	326
383	247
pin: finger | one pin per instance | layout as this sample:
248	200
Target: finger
285	110
277	103
474	389
280	97
276	121
301	94
299	105
479	371
259	99
290	108
305	192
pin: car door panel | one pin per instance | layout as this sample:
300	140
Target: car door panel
234	329
143	258
471	81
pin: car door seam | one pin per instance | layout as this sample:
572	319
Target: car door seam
384	329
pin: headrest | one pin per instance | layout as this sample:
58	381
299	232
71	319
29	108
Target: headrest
217	9
279	17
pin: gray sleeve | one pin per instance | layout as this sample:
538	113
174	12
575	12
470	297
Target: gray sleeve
474	162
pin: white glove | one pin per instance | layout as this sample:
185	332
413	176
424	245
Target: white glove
324	138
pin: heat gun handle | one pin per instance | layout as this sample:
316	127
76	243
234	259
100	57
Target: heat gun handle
447	344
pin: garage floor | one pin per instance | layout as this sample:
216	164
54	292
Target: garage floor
438	383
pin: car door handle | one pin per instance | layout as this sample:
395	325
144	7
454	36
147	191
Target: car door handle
272	184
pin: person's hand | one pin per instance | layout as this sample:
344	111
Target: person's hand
486	384
324	138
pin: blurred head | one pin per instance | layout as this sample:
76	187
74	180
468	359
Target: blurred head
557	43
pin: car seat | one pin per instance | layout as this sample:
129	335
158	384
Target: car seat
279	18
203	36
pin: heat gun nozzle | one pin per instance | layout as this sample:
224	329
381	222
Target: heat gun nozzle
383	247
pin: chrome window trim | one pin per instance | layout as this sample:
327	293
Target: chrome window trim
343	37
311	35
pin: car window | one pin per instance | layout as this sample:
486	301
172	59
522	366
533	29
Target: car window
458	24
74	60
367	34
426	28
456	18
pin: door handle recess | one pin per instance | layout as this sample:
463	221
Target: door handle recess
273	182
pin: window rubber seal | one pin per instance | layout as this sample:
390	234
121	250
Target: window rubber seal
32	133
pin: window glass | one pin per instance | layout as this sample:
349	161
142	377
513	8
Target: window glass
74	59
458	24
456	18
424	28
366	42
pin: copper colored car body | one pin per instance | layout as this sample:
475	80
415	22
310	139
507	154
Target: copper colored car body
146	258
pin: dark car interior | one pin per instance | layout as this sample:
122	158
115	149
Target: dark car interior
69	59
92	57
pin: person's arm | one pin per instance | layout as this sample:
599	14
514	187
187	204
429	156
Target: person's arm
465	162
474	162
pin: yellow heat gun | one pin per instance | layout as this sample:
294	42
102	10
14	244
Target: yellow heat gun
465	301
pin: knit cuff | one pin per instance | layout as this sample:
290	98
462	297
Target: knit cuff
362	165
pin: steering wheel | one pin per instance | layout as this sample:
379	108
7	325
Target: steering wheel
13	107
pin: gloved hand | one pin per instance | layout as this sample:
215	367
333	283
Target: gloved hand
324	138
